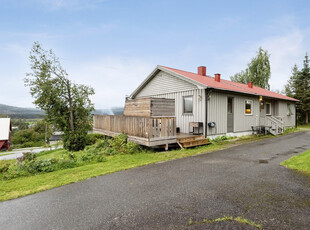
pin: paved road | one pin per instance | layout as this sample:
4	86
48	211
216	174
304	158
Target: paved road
19	152
229	182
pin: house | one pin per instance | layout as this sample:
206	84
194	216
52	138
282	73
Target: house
5	133
211	106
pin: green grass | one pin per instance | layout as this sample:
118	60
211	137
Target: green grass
10	189
21	186
300	162
304	126
238	219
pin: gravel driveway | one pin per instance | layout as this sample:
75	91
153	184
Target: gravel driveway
167	195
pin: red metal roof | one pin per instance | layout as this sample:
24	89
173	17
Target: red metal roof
229	85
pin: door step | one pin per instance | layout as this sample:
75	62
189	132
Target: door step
187	142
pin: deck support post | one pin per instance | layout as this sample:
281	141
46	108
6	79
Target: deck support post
166	147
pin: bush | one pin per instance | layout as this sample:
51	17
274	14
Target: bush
92	138
31	164
32	137
219	139
74	141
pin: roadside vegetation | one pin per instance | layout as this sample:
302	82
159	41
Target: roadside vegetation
33	136
238	219
300	162
50	169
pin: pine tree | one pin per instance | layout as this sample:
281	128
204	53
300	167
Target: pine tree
298	87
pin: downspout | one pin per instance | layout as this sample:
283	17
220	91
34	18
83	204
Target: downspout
206	111
295	116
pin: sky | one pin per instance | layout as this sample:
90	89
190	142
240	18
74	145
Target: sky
113	45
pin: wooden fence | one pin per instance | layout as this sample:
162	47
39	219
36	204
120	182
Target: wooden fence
158	128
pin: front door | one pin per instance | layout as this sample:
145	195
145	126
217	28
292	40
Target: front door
230	115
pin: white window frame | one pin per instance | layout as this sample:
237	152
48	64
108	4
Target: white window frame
192	105
268	114
251	103
289	110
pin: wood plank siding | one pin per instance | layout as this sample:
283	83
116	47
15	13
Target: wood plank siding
164	85
289	119
150	107
143	130
217	112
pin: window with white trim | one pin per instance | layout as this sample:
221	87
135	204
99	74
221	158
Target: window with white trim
268	109
188	105
248	107
289	110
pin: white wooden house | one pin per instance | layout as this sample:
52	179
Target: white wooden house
217	106
5	133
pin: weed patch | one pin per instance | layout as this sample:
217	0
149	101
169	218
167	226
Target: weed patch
238	219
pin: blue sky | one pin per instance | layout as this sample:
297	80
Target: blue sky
114	45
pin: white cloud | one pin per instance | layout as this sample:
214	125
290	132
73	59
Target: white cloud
285	50
112	77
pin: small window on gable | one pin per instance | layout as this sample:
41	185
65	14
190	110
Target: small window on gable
268	109
248	107
188	105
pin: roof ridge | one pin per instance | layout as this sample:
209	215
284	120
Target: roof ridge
228	85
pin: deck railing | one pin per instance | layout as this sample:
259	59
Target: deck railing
145	127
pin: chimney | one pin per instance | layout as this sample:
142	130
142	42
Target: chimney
250	84
217	77
202	70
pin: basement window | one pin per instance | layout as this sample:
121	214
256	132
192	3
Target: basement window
268	109
188	105
248	107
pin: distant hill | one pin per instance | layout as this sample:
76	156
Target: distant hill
19	112
112	111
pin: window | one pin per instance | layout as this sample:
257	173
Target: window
248	107
188	104
268	109
289	111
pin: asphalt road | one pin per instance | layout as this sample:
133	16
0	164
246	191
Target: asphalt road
19	152
229	182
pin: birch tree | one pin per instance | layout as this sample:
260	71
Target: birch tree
67	105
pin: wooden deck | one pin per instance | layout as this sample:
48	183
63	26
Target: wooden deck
147	131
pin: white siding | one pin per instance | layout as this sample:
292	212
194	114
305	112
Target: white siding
289	120
217	112
165	83
182	120
5	128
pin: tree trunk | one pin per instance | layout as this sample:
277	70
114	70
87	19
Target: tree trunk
70	106
307	118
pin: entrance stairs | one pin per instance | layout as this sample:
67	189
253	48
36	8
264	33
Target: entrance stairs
192	141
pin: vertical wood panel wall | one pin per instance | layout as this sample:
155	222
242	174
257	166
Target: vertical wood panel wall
217	112
164	85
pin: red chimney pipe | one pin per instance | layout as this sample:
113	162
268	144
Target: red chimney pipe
250	84
202	70
217	77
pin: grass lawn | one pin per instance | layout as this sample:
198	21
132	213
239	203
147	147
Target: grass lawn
300	162
21	186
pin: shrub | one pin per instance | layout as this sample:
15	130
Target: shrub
4	167
92	138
